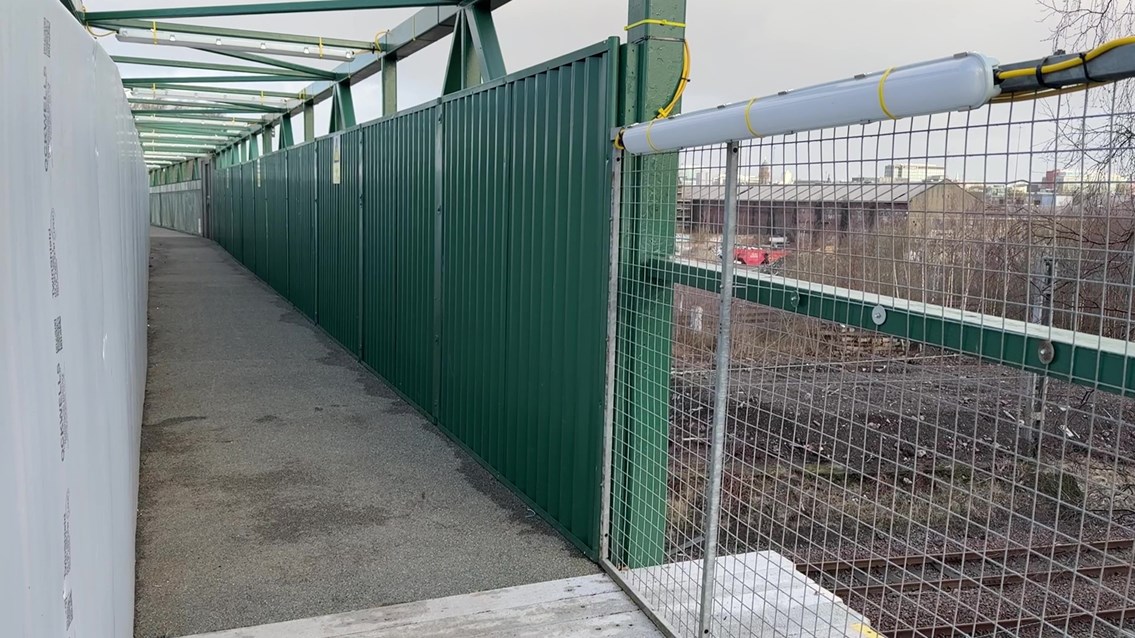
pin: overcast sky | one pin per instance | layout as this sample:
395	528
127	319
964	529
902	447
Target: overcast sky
740	48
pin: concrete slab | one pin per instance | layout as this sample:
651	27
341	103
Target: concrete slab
757	594
281	480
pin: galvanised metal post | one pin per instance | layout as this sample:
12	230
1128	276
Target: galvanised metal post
721	393
652	67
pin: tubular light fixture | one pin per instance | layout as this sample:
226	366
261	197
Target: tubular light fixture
964	81
142	92
204	137
139	36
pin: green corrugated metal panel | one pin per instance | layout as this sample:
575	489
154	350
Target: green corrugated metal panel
491	320
261	228
301	235
526	237
276	201
337	233
248	214
398	251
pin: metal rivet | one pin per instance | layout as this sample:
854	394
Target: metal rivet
1046	352
878	315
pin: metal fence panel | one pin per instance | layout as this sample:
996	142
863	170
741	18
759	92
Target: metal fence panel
177	206
337	234
248	210
524	283
260	227
301	227
482	241
924	404
399	211
276	203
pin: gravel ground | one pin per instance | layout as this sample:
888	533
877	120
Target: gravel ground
853	452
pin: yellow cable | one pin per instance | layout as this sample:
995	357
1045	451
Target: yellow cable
649	142
1068	64
377	35
683	80
1038	95
883	102
748	122
662	23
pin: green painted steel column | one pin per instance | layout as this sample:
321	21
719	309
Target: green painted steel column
253	148
389	86
286	137
342	108
308	121
463	70
266	140
652	66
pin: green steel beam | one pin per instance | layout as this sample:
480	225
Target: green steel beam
253	147
225	105
225	32
483	31
286	137
232	136
223	128
1078	357
308	6
194	112
639	488
232	121
266	140
210	66
417	32
309	120
389	86
219	89
309	71
207	78
462	71
180	149
162	137
342	108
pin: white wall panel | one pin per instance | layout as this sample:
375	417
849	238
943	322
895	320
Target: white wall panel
73	273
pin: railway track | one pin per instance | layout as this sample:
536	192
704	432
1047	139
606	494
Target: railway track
951	579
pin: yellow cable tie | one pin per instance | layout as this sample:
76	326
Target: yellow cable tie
650	142
154	30
748	122
883	102
320	47
661	23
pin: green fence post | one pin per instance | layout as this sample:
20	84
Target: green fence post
652	66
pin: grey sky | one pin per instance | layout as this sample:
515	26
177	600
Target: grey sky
740	48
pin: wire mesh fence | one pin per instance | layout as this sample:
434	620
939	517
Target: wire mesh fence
925	423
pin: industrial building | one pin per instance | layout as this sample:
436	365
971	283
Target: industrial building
814	214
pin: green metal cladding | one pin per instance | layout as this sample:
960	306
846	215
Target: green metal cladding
460	249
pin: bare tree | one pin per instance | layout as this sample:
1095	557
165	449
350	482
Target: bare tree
1101	124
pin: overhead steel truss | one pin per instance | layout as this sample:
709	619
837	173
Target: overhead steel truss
209	114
